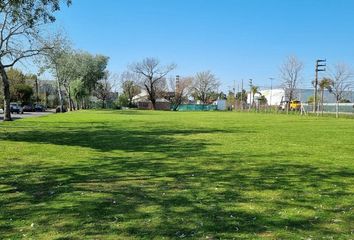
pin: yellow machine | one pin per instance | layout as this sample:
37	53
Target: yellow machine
295	105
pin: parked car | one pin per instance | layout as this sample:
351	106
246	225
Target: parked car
28	108
39	108
16	108
1	111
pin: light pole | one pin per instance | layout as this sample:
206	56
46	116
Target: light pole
320	67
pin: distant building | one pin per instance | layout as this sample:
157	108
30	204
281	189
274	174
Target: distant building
143	102
275	96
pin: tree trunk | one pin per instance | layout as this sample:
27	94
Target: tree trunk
70	100
60	97
337	109
6	90
153	102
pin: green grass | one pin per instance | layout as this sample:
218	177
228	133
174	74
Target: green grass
175	175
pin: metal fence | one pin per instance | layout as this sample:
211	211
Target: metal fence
196	107
331	107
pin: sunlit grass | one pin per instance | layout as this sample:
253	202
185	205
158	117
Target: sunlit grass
167	175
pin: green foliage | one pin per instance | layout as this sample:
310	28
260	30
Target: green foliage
176	175
262	100
32	11
16	76
311	99
20	88
23	93
242	96
78	90
123	101
130	89
231	99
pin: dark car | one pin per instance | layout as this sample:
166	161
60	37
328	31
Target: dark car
39	108
16	108
28	108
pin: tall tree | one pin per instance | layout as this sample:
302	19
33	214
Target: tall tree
78	92
340	77
181	88
205	84
53	60
254	91
21	28
290	73
15	77
152	79
130	85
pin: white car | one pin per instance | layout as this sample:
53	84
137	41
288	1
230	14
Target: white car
1	111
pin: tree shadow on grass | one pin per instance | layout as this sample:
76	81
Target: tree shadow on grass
154	198
104	138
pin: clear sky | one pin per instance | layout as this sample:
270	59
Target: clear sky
235	39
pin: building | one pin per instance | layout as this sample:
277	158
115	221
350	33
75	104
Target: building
143	102
275	96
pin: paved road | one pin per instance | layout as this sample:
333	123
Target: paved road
27	115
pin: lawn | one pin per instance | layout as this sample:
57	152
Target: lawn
176	175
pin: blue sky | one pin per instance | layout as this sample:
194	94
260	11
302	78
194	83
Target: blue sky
235	39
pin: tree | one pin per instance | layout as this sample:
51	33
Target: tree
181	88
79	92
21	28
324	84
123	101
254	91
23	92
104	88
290	73
340	77
15	77
53	60
205	84
91	68
129	85
82	68
152	77
231	100
262	100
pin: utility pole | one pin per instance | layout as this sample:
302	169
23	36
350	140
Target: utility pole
250	82
177	84
320	67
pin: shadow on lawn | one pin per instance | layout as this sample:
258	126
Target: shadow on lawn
147	200
155	197
104	138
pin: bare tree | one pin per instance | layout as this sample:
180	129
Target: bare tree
182	88
105	87
290	73
340	77
21	28
152	77
205	84
129	83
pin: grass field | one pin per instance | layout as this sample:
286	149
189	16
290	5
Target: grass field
175	175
